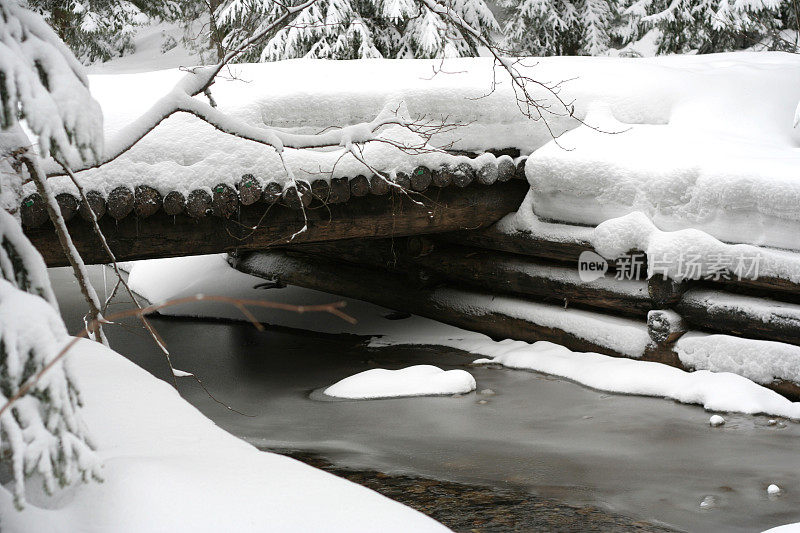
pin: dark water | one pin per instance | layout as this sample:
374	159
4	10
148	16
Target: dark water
643	457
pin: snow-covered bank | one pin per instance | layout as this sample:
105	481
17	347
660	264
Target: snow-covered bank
418	380
168	468
163	279
722	159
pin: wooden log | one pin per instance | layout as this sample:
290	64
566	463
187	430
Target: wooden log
487	172
421	179
120	202
665	292
402	180
744	316
520	173
359	186
174	203
272	192
249	188
68	205
321	190
665	326
463	174
96	203
297	194
224	200
163	235
492	271
198	205
564	250
340	191
146	201
378	185
443	176
33	211
505	168
418	246
393	291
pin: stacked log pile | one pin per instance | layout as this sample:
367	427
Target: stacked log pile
404	274
139	222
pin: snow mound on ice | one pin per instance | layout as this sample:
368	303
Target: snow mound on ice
417	380
716	391
169	468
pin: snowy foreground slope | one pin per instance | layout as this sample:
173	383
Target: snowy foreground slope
164	279
168	468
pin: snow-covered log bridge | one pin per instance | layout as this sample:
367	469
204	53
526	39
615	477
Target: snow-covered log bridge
257	212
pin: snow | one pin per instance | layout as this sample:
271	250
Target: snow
168	468
716	421
715	391
773	489
717	152
184	153
671	253
162	279
788	528
761	361
417	380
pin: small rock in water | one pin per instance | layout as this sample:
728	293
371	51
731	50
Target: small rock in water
772	422
482	402
709	502
488	392
773	489
716	420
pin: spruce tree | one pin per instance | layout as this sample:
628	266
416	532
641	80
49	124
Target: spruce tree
353	29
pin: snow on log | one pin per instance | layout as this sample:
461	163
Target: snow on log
737	314
463	174
120	202
665	326
370	217
96	203
174	203
224	200
490	270
497	316
443	176
487	171
146	201
249	188
68	205
33	211
505	168
272	192
198	203
359	186
420	178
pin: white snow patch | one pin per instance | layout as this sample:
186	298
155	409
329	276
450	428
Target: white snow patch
758	360
169	468
716	421
773	489
716	391
417	380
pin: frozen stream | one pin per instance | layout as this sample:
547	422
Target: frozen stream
645	457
